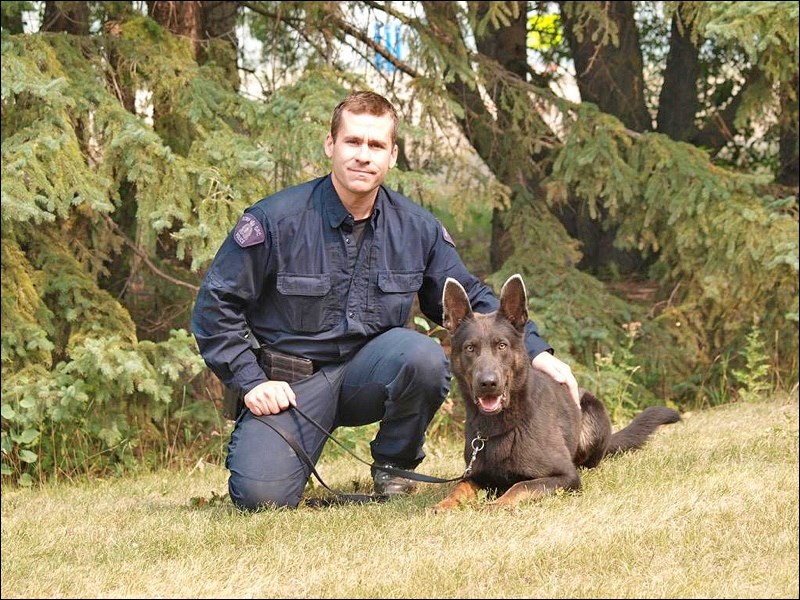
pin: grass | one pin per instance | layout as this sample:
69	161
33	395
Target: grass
708	509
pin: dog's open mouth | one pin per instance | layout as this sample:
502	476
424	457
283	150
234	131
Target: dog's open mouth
490	405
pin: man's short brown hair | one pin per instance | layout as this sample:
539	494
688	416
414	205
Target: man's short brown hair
364	102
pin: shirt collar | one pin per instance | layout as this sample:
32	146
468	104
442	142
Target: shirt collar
337	213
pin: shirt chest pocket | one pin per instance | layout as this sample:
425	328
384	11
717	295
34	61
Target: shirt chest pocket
305	300
394	296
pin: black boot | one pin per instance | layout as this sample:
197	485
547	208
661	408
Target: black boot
391	485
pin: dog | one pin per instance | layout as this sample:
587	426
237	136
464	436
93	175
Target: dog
525	436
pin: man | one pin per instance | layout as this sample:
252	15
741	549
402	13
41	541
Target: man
328	271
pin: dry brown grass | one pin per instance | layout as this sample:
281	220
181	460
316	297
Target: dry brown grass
708	509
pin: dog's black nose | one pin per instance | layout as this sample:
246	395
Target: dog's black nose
488	385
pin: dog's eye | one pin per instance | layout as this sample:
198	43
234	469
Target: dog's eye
469	348
502	345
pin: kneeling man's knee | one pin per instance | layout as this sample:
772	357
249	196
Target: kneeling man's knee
252	494
428	360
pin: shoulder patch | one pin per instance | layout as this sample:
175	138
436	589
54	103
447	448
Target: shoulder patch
249	231
446	236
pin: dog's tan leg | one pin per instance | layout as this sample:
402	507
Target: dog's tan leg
533	489
516	494
464	491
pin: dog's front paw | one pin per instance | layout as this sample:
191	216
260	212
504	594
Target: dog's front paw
443	506
464	492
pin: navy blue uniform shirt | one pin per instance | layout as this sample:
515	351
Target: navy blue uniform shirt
292	273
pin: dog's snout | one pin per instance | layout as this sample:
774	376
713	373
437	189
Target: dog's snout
489	384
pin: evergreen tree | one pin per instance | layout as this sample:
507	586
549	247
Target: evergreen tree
131	143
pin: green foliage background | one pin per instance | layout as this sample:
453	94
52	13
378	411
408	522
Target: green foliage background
90	385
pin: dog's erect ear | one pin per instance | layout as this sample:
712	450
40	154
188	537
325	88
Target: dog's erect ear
456	305
514	302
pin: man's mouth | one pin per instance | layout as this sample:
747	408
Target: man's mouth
490	405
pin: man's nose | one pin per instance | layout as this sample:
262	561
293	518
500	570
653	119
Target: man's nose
363	152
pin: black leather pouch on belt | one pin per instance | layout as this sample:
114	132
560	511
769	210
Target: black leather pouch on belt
284	367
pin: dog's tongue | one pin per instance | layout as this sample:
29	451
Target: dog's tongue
490	404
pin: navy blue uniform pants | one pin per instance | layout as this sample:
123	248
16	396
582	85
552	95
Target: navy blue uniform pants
399	378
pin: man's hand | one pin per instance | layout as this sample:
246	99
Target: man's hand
270	398
559	371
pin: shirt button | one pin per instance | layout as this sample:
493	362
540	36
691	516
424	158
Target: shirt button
347	240
351	314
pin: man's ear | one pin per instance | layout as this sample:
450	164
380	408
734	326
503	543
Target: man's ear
514	302
329	145
456	305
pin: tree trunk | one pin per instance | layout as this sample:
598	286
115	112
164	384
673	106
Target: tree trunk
678	102
222	45
612	77
211	27
492	138
118	78
507	46
66	17
181	18
788	169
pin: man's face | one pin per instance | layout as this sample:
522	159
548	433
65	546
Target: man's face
362	154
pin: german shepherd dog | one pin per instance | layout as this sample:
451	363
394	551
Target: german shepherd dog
525	437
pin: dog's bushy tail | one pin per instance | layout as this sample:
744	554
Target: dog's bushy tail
643	425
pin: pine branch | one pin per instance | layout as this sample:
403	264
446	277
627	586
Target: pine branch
144	256
348	29
378	48
719	127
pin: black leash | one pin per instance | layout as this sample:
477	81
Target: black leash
340	498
